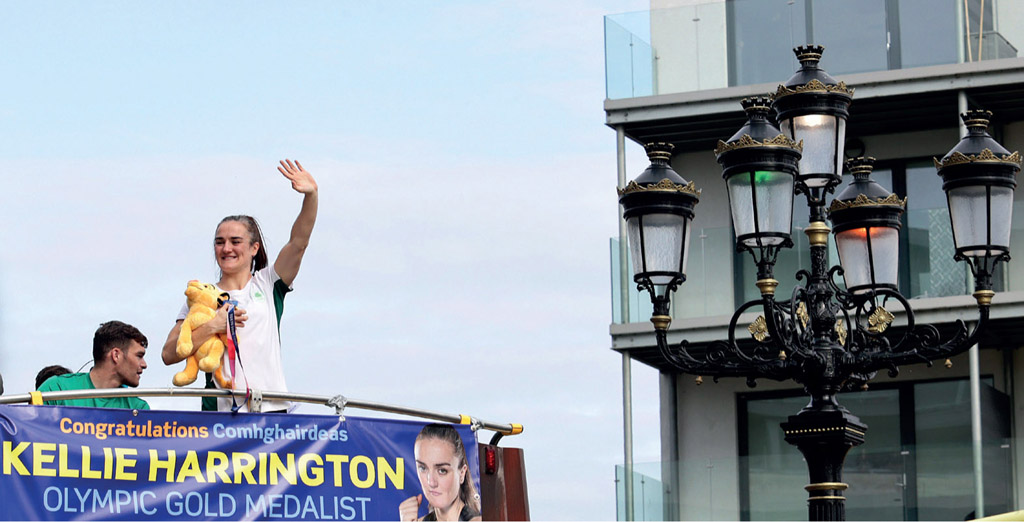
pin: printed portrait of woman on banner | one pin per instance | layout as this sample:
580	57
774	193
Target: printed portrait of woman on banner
448	488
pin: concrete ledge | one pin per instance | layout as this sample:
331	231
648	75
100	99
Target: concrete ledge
935	78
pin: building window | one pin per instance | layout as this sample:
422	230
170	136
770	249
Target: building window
917	463
928	269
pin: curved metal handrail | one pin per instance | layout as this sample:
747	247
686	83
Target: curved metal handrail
345	402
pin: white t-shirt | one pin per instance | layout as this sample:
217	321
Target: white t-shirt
258	360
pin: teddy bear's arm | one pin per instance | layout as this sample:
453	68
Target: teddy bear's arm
184	348
197	316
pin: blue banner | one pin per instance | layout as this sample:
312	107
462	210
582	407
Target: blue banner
70	463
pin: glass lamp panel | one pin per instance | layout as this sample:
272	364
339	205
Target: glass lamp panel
853	256
855	259
661	283
969	214
686	243
840	146
774	191
1002	212
741	203
773	194
819	135
885	248
663	240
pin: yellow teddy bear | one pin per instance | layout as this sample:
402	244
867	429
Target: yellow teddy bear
203	301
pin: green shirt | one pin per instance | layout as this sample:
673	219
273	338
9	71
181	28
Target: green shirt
81	381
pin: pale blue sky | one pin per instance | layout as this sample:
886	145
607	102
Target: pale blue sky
460	260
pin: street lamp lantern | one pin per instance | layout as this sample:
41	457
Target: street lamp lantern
866	223
978	175
658	208
812	107
759	165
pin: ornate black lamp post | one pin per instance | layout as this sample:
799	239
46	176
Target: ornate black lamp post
825	336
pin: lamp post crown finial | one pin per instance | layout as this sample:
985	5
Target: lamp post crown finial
659	151
977	119
809	54
757	105
861	167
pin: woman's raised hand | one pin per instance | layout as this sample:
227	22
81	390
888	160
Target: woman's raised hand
302	180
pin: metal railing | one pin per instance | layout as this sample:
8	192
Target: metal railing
339	402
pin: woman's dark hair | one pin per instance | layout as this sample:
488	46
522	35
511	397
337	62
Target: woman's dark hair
50	371
259	261
446	433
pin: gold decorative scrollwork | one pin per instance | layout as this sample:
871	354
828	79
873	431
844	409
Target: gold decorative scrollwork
665	185
759	329
814	85
879	320
986	156
746	141
841	331
801	313
892	200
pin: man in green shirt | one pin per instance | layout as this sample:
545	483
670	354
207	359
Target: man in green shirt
118	352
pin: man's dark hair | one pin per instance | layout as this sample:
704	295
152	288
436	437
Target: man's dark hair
114	334
50	371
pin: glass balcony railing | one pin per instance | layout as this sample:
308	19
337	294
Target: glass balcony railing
725	43
629	59
648	492
710	290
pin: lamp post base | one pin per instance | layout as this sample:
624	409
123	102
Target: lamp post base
825	437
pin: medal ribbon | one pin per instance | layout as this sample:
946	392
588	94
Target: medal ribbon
233	354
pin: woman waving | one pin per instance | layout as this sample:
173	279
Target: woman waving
258	289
